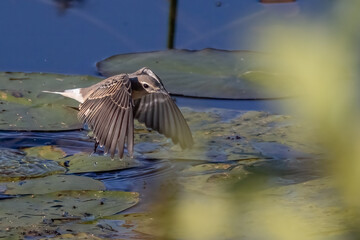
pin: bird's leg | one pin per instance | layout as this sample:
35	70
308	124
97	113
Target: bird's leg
95	146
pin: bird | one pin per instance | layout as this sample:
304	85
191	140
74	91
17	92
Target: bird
110	107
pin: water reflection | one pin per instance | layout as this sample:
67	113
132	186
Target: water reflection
63	5
172	24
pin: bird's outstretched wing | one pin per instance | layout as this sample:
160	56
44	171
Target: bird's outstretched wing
159	112
108	111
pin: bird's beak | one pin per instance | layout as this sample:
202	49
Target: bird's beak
163	91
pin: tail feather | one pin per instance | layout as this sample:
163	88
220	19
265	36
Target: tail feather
70	93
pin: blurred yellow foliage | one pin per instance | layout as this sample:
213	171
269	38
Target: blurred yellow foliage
320	58
201	217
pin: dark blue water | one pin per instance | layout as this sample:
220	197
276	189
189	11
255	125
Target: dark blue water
44	36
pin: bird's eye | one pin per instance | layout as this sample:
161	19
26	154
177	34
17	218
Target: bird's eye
145	85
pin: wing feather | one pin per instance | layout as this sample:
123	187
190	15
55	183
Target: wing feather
116	134
159	112
123	132
177	124
161	118
171	123
106	111
130	135
111	136
155	115
149	117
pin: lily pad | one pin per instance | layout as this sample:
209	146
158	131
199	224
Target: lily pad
206	167
212	179
208	73
53	183
80	236
119	226
47	152
244	136
45	212
138	222
23	105
16	165
81	162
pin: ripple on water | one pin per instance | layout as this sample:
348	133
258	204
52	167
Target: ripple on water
71	141
134	179
15	164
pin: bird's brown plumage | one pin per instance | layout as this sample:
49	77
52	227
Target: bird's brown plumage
110	106
109	112
159	112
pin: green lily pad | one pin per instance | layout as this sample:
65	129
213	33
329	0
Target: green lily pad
44	213
208	73
119	226
206	167
246	135
47	152
81	162
138	223
212	179
23	105
16	165
53	183
80	236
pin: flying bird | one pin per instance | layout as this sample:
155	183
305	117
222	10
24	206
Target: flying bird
110	106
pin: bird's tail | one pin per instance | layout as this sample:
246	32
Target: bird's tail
70	93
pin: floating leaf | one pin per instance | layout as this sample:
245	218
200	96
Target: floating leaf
137	222
44	213
47	152
23	105
80	236
244	136
16	165
208	73
213	179
206	167
53	184
81	162
119	226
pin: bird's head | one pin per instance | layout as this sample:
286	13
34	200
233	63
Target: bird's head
150	82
